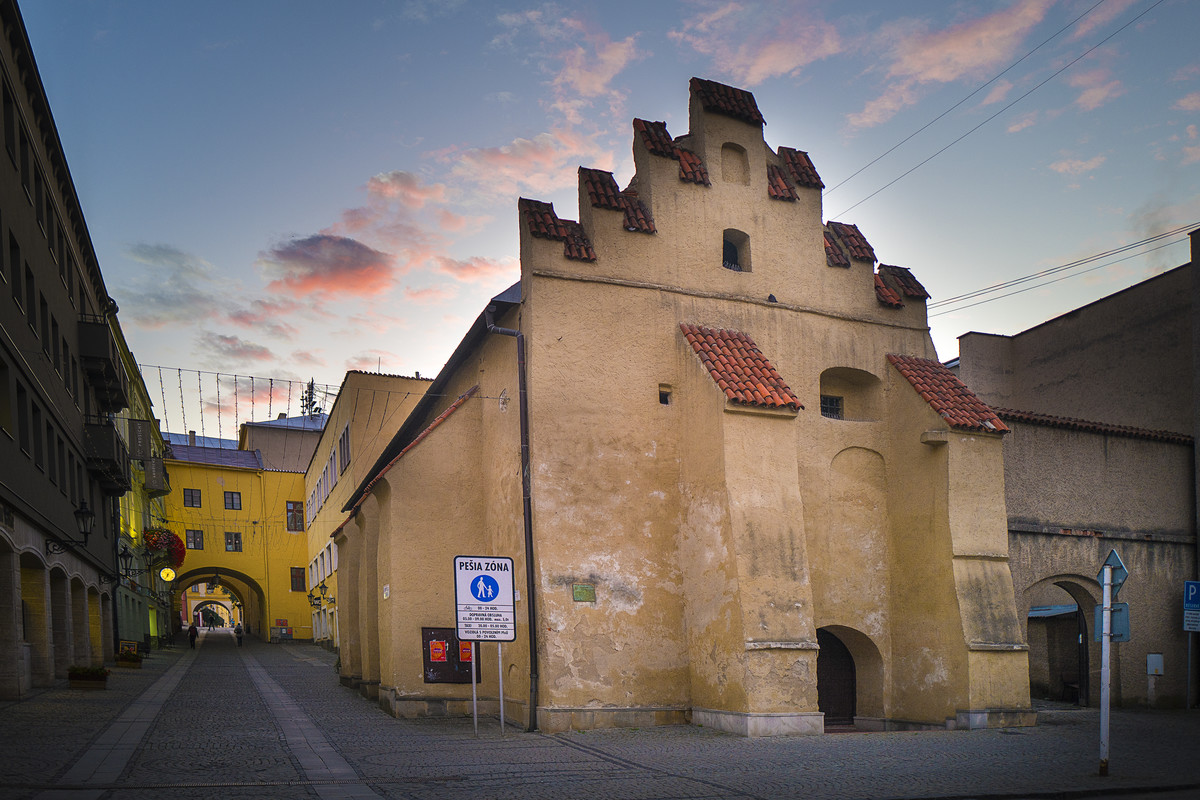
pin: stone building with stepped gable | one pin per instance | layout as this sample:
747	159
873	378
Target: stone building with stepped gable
756	500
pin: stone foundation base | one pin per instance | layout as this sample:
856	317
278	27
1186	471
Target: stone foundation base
557	720
414	707
369	689
754	725
977	719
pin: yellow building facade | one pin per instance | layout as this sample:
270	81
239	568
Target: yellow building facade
369	409
234	518
736	484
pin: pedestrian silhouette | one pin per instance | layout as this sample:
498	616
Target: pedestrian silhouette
192	634
237	631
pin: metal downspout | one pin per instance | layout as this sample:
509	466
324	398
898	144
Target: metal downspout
526	510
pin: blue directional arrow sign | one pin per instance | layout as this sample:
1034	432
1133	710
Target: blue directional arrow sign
1119	573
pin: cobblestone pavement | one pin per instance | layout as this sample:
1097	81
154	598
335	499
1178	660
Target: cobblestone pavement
271	721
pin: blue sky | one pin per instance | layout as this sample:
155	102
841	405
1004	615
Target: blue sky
292	189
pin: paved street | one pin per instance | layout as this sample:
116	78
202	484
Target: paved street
271	721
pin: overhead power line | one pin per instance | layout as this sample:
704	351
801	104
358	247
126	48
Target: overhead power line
946	147
1072	265
978	89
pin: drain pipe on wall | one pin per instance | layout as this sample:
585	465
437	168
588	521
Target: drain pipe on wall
526	510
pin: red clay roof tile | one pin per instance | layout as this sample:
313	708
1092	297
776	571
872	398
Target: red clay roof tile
947	395
721	99
602	192
902	281
834	256
801	168
777	186
885	294
1070	423
739	368
659	143
856	244
545	224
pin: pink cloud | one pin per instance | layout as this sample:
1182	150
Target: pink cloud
1097	87
1098	17
1189	102
1075	166
429	295
372	361
547	162
967	49
589	71
998	93
307	358
1022	122
477	268
753	43
233	349
405	188
271	315
324	264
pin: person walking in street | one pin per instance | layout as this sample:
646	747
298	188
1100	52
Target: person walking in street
192	634
238	632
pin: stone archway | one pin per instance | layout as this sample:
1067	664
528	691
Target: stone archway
244	589
1063	665
849	678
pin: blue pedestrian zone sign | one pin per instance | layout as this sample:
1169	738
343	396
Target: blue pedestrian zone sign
483	597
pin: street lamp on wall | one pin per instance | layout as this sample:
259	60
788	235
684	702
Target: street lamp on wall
85	518
126	560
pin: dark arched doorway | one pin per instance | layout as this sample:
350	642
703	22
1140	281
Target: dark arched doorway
837	688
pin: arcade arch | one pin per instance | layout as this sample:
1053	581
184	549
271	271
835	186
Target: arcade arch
1062	663
244	589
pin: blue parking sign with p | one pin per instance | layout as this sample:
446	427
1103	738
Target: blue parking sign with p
1191	605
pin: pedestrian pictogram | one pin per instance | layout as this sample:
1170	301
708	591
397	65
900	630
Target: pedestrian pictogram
483	595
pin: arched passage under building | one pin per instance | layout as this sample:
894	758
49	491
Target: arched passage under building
1062	663
248	603
849	678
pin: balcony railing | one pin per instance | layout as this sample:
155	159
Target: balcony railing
107	458
101	362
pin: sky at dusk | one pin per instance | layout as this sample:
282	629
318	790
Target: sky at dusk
294	189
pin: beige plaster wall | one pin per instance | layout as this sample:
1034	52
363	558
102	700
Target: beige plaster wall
1095	363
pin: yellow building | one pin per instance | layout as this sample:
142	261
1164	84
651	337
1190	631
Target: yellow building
737	487
243	524
369	409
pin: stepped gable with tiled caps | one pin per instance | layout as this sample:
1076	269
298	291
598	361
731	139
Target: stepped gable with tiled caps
947	395
834	256
658	142
739	368
732	102
886	295
801	168
1086	426
545	224
851	238
901	280
602	192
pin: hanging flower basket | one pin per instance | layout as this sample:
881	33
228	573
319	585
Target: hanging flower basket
161	540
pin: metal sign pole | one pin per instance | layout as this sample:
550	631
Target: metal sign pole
1188	704
474	698
1105	655
500	674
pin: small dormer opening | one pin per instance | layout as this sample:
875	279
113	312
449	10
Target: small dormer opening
735	250
664	394
735	165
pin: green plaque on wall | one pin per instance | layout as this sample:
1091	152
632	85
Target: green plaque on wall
583	592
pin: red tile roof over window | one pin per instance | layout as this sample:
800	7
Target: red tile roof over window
545	224
834	256
853	240
885	295
659	143
602	192
721	99
739	368
801	168
777	186
1071	424
947	395
902	280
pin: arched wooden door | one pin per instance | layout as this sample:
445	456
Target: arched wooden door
836	683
